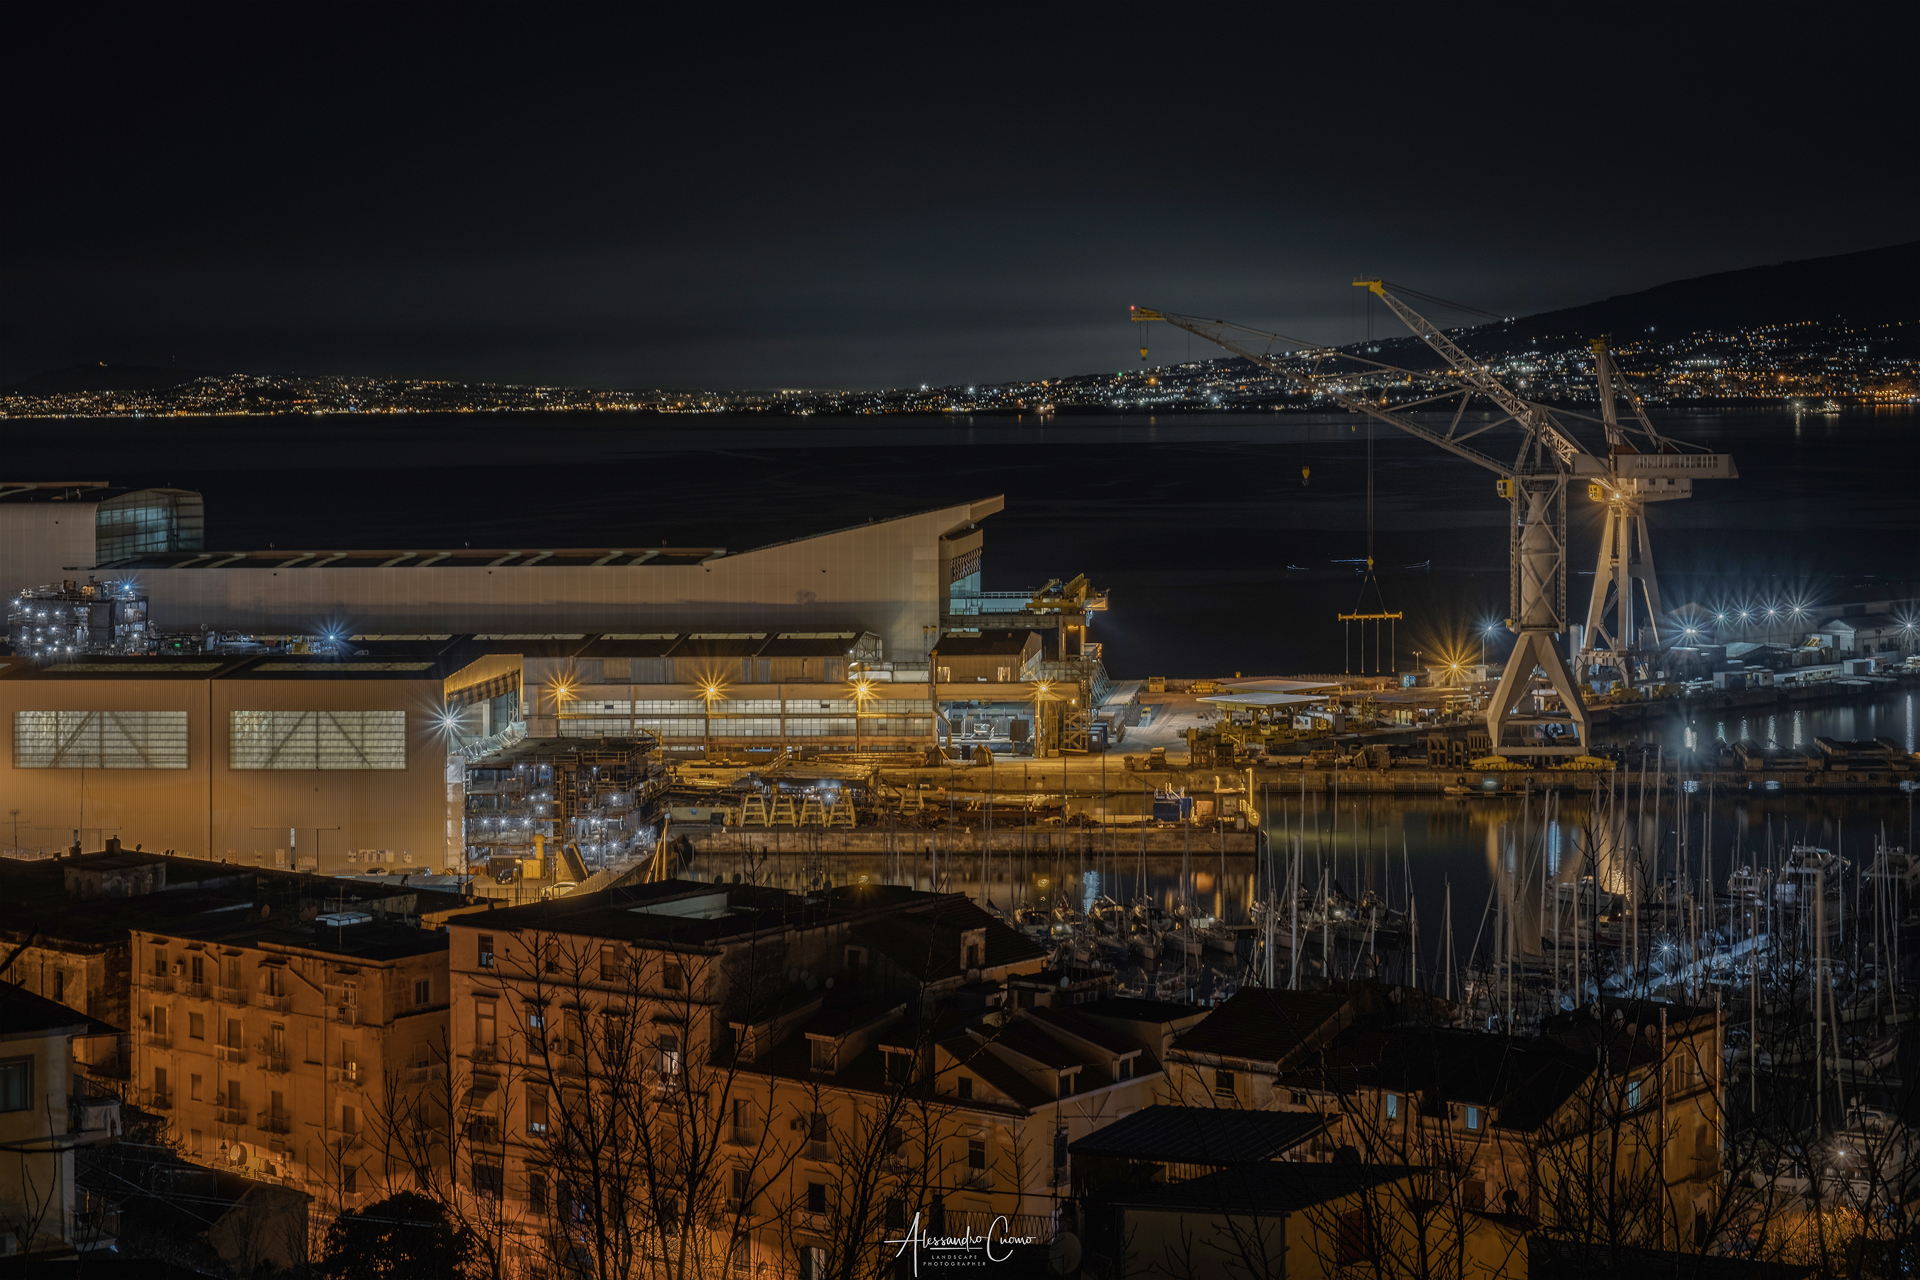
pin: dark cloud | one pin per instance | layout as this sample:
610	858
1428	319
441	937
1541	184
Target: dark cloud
854	195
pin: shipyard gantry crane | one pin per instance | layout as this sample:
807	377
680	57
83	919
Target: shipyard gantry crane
1535	484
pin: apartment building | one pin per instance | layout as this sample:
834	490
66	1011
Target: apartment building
304	1047
43	1122
1620	1100
765	1078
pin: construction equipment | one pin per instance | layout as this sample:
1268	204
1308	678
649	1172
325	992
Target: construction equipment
1534	483
1647	469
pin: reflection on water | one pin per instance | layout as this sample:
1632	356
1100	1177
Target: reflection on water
1406	849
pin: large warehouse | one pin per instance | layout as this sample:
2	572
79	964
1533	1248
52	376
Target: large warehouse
891	577
288	706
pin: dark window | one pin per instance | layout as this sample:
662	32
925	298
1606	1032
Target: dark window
1126	1069
1223	1083
899	1068
423	990
487	1180
1066	1084
816	1197
977	1154
742	1186
60	983
486	951
1059	1149
537	1192
966	1088
896	1214
1355	1242
674	976
350	1180
16	1084
536	1110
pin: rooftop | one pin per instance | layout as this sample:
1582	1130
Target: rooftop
35	899
1200	1135
24	1015
1260	1024
1265	1189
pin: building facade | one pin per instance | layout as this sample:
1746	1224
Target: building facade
298	1051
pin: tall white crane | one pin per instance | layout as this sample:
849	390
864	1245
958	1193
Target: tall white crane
1535	485
1642	467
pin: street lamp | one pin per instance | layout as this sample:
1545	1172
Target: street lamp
708	692
1041	691
862	692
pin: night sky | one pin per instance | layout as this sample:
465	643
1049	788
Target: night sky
871	196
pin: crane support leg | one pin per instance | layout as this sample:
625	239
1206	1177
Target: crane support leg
1539	605
1523	732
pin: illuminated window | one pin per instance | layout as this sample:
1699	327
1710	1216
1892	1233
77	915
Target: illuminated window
348	740
99	739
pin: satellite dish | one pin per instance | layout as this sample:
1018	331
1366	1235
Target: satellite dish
1063	1255
237	1154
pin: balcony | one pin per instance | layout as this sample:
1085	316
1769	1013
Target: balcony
741	1135
231	995
156	981
273	1059
347	1075
96	1228
341	1141
157	1039
274	1003
483	1053
194	990
347	1015
93	1119
236	1054
818	1150
231	1115
275	1122
425	1072
157	1099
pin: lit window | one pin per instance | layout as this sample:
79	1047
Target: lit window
99	739
1393	1106
1473	1118
322	740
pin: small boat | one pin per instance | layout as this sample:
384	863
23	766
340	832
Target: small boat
1182	938
1867	1057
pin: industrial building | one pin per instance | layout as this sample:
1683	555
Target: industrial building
896	578
329	709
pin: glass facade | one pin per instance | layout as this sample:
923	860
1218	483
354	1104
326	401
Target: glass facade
148	521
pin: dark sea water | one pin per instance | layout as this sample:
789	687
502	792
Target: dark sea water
1190	521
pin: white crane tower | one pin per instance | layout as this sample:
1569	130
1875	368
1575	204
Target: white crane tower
1640	466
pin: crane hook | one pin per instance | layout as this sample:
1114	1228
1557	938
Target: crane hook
1306	473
